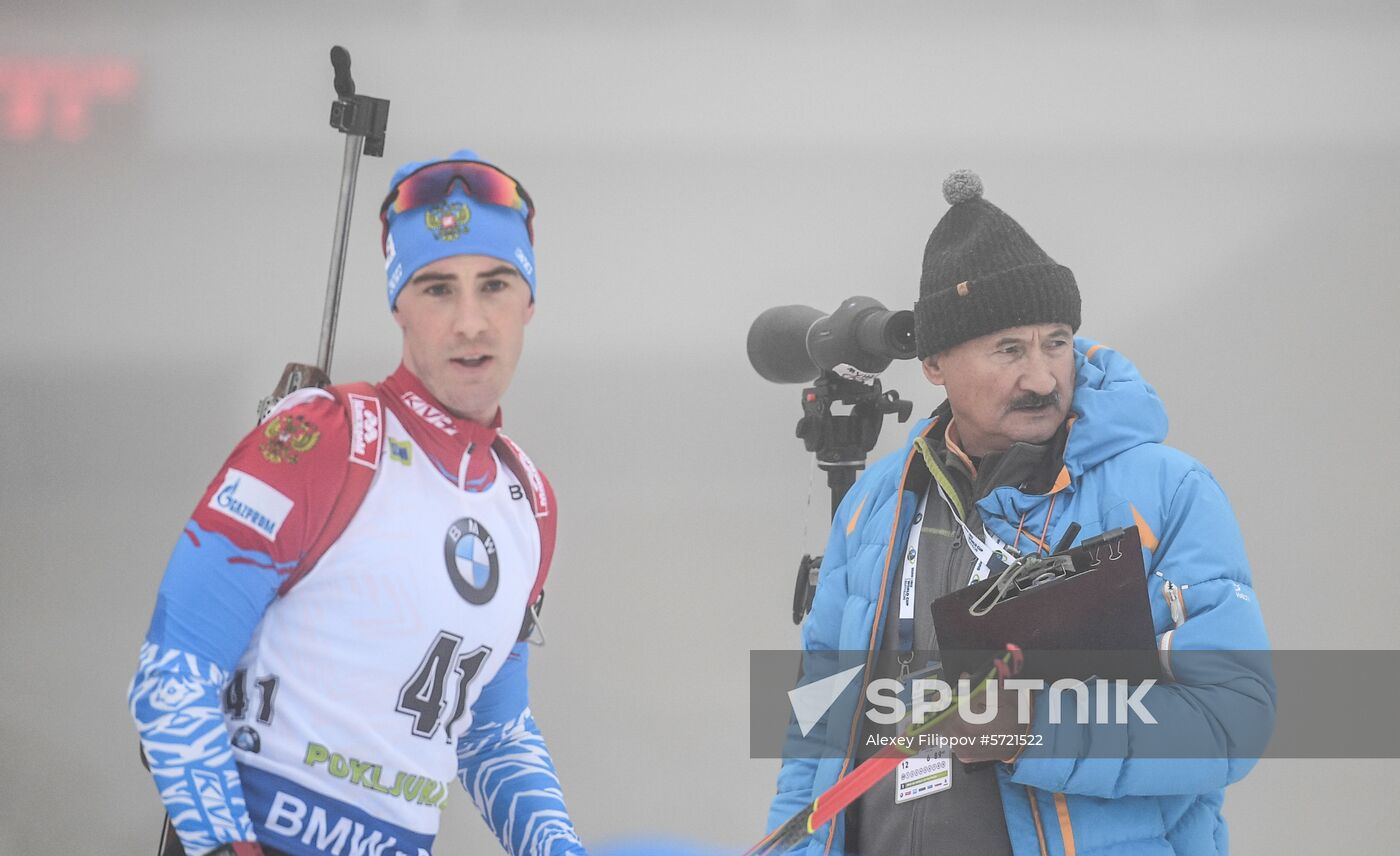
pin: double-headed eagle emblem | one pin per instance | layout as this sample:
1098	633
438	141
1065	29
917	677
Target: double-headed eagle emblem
448	221
288	437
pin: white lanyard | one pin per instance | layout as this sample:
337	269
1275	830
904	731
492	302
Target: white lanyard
911	560
991	551
992	554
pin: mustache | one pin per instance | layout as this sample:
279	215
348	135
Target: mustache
1035	401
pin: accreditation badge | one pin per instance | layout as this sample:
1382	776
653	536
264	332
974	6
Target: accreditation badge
929	772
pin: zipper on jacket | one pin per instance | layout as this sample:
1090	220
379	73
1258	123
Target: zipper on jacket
1171	592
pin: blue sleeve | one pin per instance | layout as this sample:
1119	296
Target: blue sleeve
1220	698
820	632
504	764
211	599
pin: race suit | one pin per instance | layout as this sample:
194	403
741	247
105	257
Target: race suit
326	709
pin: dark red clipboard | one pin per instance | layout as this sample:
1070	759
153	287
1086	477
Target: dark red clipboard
1093	620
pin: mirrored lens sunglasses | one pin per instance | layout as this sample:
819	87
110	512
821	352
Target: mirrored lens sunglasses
432	183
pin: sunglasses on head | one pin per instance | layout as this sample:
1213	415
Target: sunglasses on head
432	183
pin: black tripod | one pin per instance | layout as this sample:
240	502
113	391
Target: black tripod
841	443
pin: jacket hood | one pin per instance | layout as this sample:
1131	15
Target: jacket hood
1113	410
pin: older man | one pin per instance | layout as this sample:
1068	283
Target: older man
1039	431
340	630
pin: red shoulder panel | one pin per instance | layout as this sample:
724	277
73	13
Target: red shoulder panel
276	489
363	417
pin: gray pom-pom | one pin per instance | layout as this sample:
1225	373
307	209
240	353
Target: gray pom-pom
962	186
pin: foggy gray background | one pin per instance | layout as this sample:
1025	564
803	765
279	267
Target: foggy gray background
1223	181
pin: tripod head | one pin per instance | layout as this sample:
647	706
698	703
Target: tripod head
842	442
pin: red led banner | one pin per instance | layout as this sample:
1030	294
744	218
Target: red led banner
53	98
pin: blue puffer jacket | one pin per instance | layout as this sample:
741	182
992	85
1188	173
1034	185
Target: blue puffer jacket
1116	473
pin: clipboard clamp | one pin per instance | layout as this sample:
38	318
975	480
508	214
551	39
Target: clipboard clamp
1030	571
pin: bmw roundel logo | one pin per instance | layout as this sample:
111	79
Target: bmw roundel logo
472	566
247	739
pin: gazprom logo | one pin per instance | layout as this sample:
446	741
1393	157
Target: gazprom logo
252	502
